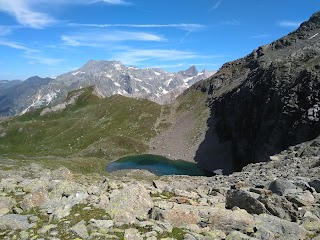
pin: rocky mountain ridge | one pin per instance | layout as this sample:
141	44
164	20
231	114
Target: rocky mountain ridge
109	78
264	102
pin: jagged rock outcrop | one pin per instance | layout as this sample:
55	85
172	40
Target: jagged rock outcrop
264	102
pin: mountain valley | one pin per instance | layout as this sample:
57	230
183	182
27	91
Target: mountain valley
254	124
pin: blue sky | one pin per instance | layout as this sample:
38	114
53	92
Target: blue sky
51	37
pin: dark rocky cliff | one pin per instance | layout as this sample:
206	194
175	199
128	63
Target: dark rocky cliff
264	102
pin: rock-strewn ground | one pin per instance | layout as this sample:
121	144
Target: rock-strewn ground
275	200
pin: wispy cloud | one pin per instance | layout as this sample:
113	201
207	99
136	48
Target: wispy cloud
24	13
39	59
5	30
184	26
15	45
138	56
260	36
31	53
215	6
98	38
286	23
27	14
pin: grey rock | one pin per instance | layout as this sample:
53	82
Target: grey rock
101	225
281	186
33	199
236	235
315	183
301	199
15	222
47	228
279	206
80	229
244	200
130	203
281	229
61	173
6	204
132	234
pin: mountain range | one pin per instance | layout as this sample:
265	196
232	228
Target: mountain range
109	78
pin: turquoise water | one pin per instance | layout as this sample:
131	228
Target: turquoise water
156	164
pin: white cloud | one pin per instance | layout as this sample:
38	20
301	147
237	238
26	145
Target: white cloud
286	23
136	56
15	45
5	30
98	38
24	13
215	6
38	59
184	26
30	53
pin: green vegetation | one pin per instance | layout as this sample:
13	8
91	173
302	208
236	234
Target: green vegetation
195	102
92	127
176	233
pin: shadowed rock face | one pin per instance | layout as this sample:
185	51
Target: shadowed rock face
264	102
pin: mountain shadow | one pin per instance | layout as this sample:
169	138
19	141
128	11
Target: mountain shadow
263	103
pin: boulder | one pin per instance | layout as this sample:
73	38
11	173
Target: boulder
15	222
132	234
6	204
279	206
80	230
281	229
315	183
34	199
129	204
244	200
281	186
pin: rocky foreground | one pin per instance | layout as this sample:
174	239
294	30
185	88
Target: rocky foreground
275	200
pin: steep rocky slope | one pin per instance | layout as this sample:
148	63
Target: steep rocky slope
264	102
274	200
15	95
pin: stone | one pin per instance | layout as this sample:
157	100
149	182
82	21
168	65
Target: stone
236	235
179	215
281	186
281	229
15	222
228	220
301	199
101	225
80	229
244	200
47	228
132	234
33	199
279	206
130	203
312	226
61	173
315	183
66	188
6	204
36	185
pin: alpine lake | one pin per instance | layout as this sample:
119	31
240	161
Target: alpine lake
157	164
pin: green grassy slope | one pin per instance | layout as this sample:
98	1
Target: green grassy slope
104	128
